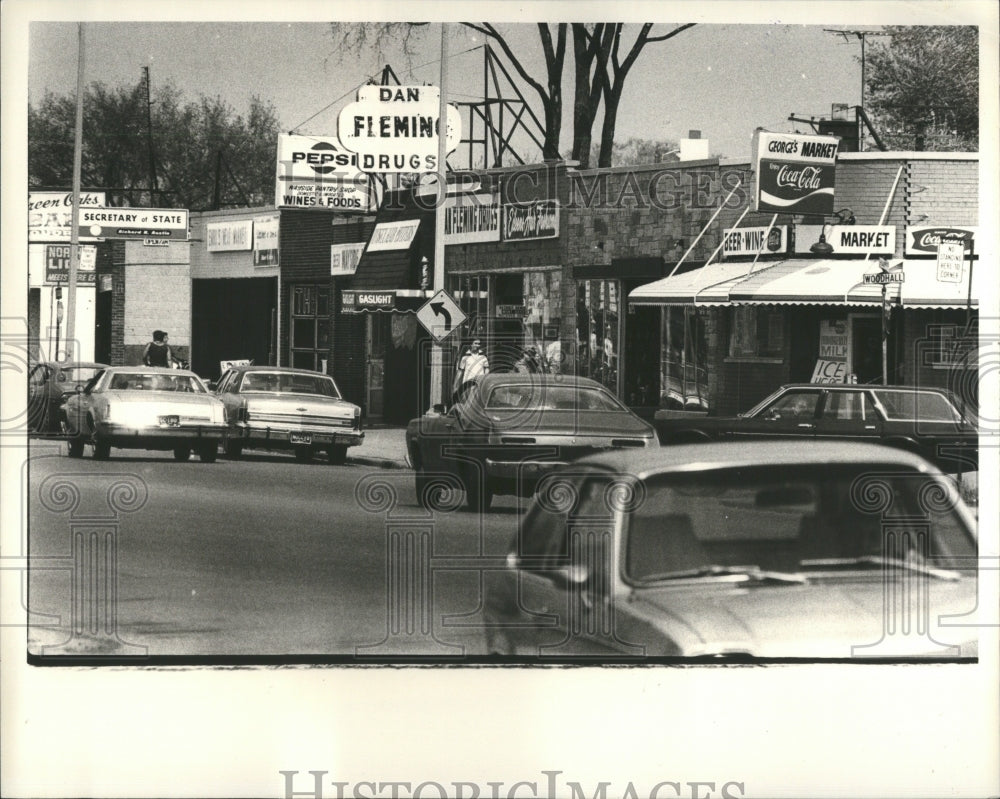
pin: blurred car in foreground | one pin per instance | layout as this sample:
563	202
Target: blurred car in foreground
922	420
757	550
49	386
281	408
512	429
144	407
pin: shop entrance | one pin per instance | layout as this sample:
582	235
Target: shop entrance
866	348
376	338
232	319
102	327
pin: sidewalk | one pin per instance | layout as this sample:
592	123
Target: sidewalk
384	448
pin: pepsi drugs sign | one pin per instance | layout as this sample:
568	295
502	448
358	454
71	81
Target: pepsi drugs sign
317	172
795	174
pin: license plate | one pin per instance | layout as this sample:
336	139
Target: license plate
300	438
170	421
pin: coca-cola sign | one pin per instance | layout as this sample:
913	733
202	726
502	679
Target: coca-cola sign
924	240
795	174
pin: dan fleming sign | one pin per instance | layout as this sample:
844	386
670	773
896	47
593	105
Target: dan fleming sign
472	218
795	174
395	128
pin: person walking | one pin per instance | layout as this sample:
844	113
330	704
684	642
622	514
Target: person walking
157	352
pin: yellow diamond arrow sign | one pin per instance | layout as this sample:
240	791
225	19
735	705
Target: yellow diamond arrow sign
440	315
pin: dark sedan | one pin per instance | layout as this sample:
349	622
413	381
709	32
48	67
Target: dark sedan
752	550
512	429
921	420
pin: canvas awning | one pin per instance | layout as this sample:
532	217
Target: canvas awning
398	300
923	289
789	282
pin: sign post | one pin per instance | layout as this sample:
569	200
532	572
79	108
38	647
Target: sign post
884	278
437	353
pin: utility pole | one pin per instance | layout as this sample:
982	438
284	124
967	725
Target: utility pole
437	351
153	188
74	241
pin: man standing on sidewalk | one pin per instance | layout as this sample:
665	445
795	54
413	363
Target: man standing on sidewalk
472	366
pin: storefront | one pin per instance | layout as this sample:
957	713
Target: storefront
235	311
383	356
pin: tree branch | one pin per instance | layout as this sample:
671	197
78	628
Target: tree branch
672	33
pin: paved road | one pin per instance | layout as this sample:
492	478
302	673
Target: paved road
264	556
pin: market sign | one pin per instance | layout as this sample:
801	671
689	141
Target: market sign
357	301
848	239
950	260
538	219
393	235
134	223
754	240
394	128
265	240
319	172
230	236
924	240
344	258
50	213
795	174
57	264
471	218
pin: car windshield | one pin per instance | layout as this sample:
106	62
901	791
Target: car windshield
289	383
542	396
156	381
928	406
793	520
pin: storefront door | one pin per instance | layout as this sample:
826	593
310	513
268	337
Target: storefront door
866	348
375	342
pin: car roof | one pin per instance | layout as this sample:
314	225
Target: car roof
73	364
282	369
862	386
537	378
728	454
145	370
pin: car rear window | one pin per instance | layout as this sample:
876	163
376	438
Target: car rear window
928	406
792	519
537	396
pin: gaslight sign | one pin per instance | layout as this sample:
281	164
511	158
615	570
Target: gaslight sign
795	174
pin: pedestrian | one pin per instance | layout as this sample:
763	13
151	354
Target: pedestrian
157	352
473	366
528	363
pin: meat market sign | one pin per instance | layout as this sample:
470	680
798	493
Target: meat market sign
394	128
795	174
134	223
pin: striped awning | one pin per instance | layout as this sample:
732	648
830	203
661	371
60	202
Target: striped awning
813	282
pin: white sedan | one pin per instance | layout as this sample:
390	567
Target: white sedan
143	407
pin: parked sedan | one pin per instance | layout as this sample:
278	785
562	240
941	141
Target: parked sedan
755	550
49	386
511	430
144	407
280	408
922	420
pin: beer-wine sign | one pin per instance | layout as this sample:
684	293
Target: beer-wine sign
795	174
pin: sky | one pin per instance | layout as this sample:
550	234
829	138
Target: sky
722	79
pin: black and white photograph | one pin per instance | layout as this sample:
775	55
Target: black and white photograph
399	404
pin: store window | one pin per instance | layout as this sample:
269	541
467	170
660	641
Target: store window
756	332
310	326
597	315
683	359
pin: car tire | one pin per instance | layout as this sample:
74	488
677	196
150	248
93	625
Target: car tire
337	454
233	449
478	492
303	454
208	452
102	450
76	447
182	453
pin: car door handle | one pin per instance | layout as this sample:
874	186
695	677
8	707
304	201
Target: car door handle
805	424
869	427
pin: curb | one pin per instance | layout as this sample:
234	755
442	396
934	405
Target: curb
378	463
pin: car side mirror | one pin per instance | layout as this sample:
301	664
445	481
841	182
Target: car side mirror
439	408
212	385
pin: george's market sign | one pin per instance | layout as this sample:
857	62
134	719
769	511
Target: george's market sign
795	174
924	239
50	214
